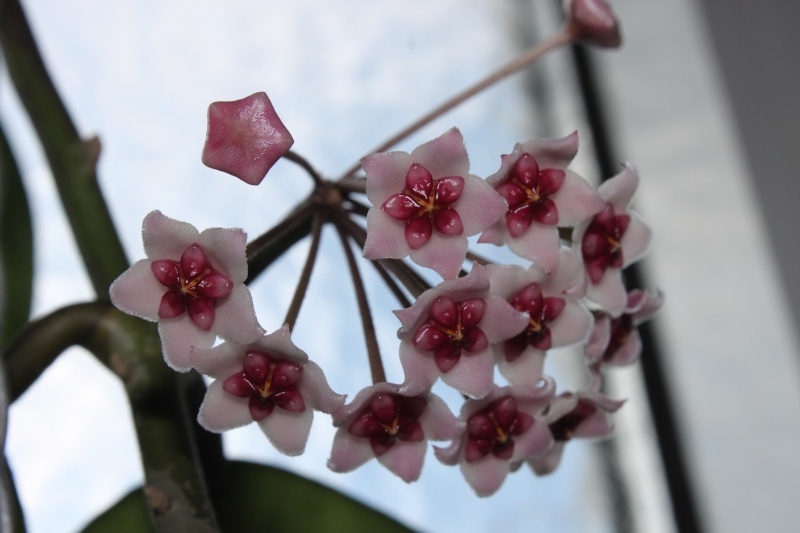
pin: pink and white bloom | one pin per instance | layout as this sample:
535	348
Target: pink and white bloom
613	239
271	382
616	341
584	415
192	284
245	138
426	204
542	195
593	22
449	332
557	318
498	433
391	424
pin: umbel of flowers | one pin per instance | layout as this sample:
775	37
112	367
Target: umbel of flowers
421	206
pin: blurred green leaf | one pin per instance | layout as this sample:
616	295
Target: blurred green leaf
16	247
262	498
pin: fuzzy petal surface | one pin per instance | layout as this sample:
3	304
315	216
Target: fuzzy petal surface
137	291
288	432
179	336
221	411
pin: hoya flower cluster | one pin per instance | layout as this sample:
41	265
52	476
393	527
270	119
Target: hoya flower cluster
480	317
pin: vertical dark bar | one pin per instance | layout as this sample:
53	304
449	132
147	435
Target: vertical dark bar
684	508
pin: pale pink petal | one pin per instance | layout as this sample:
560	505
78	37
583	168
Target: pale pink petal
495	234
178	337
137	291
473	375
536	441
166	238
386	237
479	205
405	459
288	431
566	276
526	369
576	200
316	391
443	254
386	175
610	293
572	326
349	452
539	244
599	338
619	190
444	156
221	411
548	462
636	241
228	249
501	321
219	362
235	317
507	280
419	368
486	475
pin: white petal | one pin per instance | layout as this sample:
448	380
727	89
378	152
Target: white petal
405	459
166	238
235	317
221	411
349	452
137	291
178	336
288	431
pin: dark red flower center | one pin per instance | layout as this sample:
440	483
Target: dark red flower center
491	430
389	417
542	310
564	428
601	246
268	381
425	205
450	328
621	329
527	191
193	284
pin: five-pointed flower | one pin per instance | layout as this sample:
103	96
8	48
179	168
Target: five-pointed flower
426	204
542	195
582	415
613	239
245	138
616	341
556	317
192	284
392	426
449	332
498	433
270	381
593	22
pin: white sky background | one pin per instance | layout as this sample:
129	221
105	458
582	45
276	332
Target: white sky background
141	74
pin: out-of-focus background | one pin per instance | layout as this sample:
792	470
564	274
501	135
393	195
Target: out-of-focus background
701	98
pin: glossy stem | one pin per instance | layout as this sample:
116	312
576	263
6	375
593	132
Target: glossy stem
410	279
305	275
265	249
527	58
296	158
373	351
71	159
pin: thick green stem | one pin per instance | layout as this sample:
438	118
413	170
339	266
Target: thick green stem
174	477
72	160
